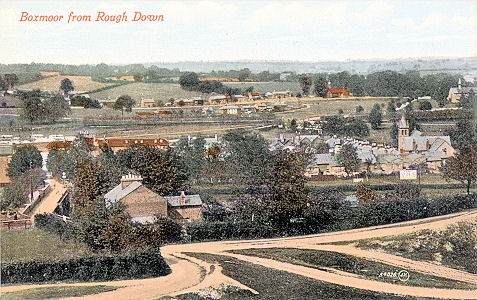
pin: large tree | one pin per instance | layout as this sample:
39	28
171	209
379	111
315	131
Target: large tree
32	107
285	193
124	102
376	117
161	171
469	101
246	155
25	158
191	153
463	166
306	83
348	158
56	108
321	86
189	81
66	86
464	134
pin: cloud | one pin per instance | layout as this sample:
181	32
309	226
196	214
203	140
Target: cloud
374	11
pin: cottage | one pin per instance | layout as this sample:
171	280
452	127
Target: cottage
142	204
145	206
148	103
184	208
107	103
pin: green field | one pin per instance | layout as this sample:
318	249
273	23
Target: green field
56	292
368	269
35	244
275	284
140	90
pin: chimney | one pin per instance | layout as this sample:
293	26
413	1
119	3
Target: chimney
182	198
126	180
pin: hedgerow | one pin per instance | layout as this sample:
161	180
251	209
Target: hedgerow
97	268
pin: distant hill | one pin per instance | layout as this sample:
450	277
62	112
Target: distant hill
462	65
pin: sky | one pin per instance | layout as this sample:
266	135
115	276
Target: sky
239	30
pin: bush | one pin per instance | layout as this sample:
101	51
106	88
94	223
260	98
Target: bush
425	105
133	265
50	223
229	230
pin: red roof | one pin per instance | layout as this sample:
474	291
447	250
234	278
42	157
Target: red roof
59	145
339	91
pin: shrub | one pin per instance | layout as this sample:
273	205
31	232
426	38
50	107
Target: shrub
425	105
133	265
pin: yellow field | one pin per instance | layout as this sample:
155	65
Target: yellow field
81	83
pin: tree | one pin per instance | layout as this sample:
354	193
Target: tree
191	153
246	155
10	80
3	85
391	109
376	117
285	193
306	83
56	108
340	111
161	171
66	86
32	107
425	105
124	102
359	109
463	167
469	101
321	87
348	158
89	214
116	234
189	81
244	74
25	158
463	134
394	133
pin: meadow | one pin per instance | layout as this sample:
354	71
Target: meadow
81	83
141	90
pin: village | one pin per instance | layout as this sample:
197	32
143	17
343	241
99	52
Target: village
214	150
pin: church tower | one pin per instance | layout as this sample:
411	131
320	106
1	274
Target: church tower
403	133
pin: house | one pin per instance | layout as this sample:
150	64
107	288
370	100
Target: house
281	94
333	93
230	110
455	93
142	204
217	99
184	208
148	103
107	103
284	76
252	95
145	206
324	164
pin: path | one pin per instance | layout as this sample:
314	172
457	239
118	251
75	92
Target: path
48	204
189	274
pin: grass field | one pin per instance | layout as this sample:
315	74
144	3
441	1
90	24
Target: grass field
56	292
81	83
35	244
347	263
274	284
140	90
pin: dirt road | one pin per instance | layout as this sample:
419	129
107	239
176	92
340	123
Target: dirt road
189	274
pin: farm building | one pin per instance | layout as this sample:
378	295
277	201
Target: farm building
332	93
148	103
118	143
230	110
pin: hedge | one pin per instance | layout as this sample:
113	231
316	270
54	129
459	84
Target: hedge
97	268
318	221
